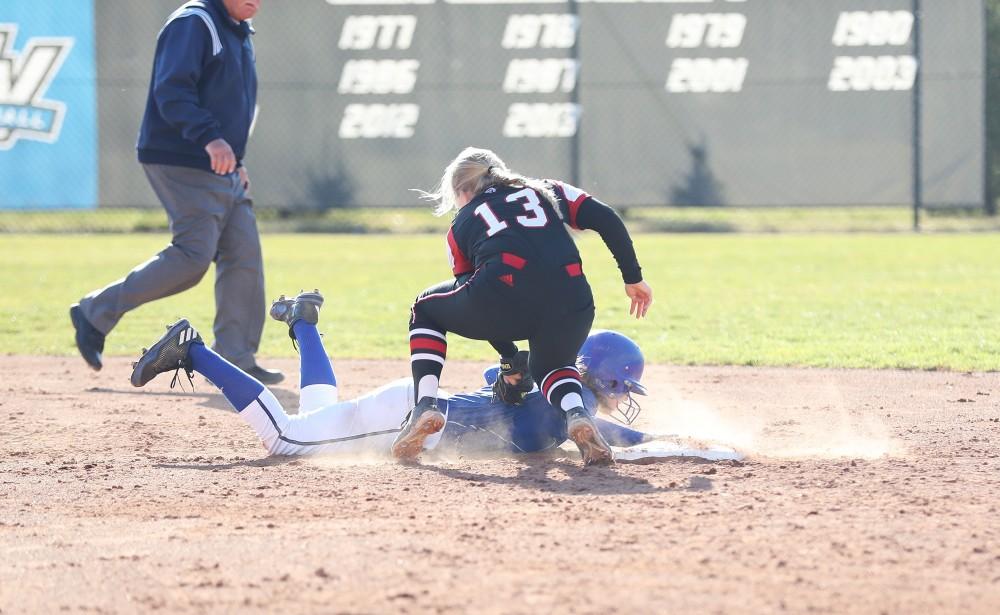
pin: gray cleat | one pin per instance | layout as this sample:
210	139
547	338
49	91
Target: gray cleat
304	306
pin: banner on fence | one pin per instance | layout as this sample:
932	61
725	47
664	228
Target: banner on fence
48	121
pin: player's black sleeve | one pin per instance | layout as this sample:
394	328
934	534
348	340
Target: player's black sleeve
504	348
599	217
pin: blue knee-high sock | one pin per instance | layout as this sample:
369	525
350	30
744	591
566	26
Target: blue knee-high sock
239	387
315	365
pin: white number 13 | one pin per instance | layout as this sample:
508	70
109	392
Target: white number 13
534	214
529	200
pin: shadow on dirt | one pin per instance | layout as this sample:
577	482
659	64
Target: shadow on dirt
264	462
536	472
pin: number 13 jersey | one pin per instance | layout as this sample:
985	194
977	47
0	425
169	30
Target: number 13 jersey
518	226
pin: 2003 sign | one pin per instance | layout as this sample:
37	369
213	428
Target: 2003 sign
878	73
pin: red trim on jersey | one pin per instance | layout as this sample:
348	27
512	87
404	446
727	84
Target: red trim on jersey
428	344
557	375
513	260
460	264
574	208
508	279
574	205
574	270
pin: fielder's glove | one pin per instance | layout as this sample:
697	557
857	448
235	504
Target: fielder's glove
513	366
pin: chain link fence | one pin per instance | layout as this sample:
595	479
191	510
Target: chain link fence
718	103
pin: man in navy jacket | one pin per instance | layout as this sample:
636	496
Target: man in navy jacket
200	108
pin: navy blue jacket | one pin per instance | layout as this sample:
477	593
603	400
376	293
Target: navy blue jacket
203	87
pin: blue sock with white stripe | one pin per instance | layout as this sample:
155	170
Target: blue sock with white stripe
316	367
239	387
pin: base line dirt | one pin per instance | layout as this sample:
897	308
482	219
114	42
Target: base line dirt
862	492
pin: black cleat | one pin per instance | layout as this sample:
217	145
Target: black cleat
425	419
265	376
170	352
304	306
89	341
583	432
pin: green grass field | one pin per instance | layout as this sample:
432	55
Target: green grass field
831	300
640	219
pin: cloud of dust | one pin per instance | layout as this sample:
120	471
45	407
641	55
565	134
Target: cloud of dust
354	458
825	430
363	452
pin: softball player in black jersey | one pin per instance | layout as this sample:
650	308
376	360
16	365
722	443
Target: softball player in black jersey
518	277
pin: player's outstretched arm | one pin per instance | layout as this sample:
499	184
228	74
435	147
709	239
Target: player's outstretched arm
595	215
619	435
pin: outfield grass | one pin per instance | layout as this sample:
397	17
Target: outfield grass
640	219
858	300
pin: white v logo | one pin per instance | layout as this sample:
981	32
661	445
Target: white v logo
24	79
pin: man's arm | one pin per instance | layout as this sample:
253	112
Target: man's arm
185	45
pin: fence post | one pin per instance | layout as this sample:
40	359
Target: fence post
574	99
989	205
918	195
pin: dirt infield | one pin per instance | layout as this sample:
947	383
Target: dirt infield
864	492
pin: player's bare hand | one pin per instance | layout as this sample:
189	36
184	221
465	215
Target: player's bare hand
642	297
222	156
245	179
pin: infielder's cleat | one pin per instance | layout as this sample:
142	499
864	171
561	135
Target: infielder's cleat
425	419
170	352
89	341
304	306
583	432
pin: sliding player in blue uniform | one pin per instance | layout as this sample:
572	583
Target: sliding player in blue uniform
476	422
611	365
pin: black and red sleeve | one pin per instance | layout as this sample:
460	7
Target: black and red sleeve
582	211
460	263
570	199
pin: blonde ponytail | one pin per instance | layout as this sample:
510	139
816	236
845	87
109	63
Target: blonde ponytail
475	170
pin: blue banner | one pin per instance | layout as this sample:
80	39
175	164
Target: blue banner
48	105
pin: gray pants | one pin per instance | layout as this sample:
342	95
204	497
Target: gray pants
212	219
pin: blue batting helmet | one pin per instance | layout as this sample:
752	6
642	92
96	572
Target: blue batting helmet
612	365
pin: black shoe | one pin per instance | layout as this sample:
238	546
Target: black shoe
170	352
304	306
265	376
583	432
89	341
425	419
